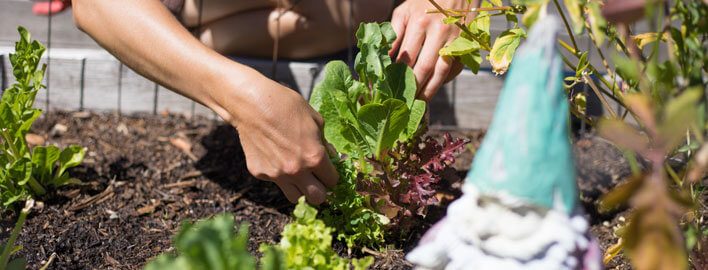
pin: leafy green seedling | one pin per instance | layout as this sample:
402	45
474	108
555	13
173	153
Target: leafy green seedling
390	171
26	172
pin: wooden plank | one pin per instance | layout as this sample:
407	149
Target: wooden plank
101	85
137	92
475	98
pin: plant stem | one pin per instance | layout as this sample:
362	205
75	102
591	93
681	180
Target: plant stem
428	11
567	26
462	27
590	82
5	256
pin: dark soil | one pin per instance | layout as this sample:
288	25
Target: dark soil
138	187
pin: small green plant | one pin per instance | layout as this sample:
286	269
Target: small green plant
7	249
212	244
208	244
388	171
24	173
307	243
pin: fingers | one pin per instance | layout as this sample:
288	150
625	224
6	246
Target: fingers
442	69
324	171
427	62
410	46
291	192
309	186
399	26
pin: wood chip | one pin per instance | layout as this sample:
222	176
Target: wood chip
34	139
183	145
58	129
183	184
98	198
191	174
240	194
81	115
148	209
110	260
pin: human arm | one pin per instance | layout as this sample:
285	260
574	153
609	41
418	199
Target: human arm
280	133
419	38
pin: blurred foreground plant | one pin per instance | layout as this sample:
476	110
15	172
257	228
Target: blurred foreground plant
657	78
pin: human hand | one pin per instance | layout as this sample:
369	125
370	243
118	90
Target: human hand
282	138
419	38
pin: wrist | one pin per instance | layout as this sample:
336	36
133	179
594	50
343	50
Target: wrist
230	89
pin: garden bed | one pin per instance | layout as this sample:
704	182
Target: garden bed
138	186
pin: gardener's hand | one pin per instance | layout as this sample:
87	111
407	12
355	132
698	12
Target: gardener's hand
419	38
283	140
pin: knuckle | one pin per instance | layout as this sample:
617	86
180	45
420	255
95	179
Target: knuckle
289	168
421	21
314	157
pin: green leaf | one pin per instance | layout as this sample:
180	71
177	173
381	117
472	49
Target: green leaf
452	19
460	46
17	264
534	12
273	259
70	157
417	111
497	3
401	82
504	47
472	61
679	115
44	159
582	64
335	79
21	171
382	124
388	34
596	21
627	69
575	8
355	139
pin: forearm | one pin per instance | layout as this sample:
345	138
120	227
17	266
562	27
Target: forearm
147	38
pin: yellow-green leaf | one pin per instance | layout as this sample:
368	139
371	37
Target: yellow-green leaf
460	46
643	39
575	8
503	50
679	115
596	21
534	12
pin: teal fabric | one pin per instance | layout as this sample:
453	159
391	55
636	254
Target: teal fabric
526	152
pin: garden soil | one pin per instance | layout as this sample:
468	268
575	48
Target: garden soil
142	176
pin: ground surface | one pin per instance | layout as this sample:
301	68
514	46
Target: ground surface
138	186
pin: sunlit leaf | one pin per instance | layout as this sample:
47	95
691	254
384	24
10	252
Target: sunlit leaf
596	21
460	46
534	12
575	8
503	50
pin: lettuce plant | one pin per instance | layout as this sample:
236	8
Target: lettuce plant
25	173
212	244
387	171
307	243
209	244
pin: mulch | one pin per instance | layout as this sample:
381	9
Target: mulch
142	176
